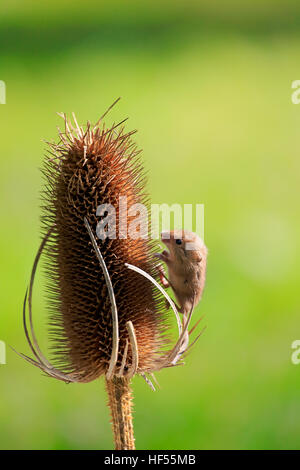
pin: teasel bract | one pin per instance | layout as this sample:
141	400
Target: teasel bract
107	313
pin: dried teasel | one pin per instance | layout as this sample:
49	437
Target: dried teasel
107	311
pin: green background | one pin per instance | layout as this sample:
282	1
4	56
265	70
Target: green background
208	86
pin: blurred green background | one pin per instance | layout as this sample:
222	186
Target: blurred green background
208	86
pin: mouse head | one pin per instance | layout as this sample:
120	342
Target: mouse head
183	244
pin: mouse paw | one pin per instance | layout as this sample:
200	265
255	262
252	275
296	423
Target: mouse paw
164	256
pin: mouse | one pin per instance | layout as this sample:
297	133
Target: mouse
185	258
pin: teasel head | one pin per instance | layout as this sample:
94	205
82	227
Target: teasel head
107	312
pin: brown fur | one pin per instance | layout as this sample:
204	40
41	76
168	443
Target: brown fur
186	267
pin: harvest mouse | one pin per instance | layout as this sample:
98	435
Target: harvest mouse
186	261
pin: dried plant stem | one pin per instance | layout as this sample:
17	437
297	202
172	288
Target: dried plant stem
120	404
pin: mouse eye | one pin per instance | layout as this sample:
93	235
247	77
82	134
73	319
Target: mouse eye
178	241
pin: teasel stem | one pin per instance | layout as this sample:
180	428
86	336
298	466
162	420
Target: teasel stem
120	404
